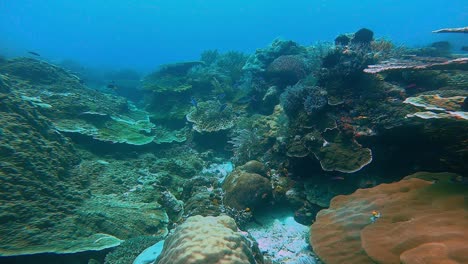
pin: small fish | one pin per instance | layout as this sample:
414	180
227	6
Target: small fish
375	215
194	102
247	99
221	96
335	178
34	53
112	86
222	107
412	85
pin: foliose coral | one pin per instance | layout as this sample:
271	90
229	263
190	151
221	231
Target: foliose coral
244	144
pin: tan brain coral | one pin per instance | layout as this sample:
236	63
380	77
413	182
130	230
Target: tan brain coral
207	240
422	222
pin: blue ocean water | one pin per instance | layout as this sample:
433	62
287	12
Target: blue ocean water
144	34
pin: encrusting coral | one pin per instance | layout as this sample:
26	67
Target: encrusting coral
419	222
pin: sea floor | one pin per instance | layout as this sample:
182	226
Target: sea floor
280	238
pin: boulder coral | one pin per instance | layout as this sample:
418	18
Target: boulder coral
421	222
208	240
291	68
259	61
245	188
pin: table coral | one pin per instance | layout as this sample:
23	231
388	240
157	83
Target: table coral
452	30
210	116
439	106
417	217
413	64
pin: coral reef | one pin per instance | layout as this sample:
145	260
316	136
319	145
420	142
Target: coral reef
416	216
36	185
259	61
363	36
133	218
113	129
288	68
243	144
298	98
452	30
343	154
80	169
335	150
210	116
74	108
170	78
130	249
36	71
208	240
441	107
246	189
418	64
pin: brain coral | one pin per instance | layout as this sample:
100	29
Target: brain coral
291	67
421	222
207	240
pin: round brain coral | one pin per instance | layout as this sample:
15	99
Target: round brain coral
207	240
421	222
291	67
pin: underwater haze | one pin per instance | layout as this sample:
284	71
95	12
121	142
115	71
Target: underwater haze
144	34
220	131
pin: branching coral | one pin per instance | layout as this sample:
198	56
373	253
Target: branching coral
244	144
300	97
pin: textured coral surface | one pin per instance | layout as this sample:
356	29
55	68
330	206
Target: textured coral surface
421	222
207	240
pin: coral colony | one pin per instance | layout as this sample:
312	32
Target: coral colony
344	152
